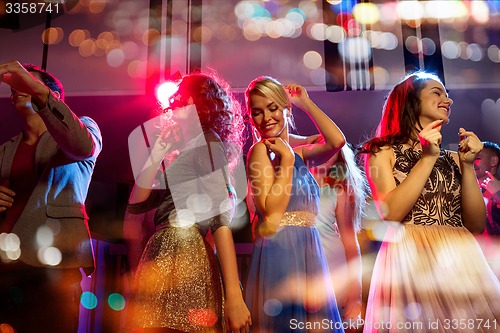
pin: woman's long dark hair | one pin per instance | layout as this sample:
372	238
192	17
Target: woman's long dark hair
400	115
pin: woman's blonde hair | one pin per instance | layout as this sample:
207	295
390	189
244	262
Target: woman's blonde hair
272	89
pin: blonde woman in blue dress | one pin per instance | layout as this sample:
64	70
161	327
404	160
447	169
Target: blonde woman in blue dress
288	287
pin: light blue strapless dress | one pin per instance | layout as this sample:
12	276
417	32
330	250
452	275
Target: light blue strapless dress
288	288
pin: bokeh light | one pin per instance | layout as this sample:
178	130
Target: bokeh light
275	29
462	48
410	10
116	301
52	35
88	300
312	59
6	328
273	307
310	8
428	46
474	52
199	203
51	256
389	41
87	47
335	34
96	6
413	44
445	9
151	37
10	247
318	31
202	317
137	69
366	13
450	49
480	11
493	53
389	13
13	255
296	17
44	236
164	91
381	40
130	50
202	34
251	32
115	57
355	49
76	37
9	242
380	76
353	28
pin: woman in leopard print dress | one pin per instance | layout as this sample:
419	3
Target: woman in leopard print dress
430	274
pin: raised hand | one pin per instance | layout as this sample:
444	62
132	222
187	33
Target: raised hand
298	95
469	147
19	79
491	184
430	138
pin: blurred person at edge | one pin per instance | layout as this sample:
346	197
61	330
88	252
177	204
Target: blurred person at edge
179	285
45	173
487	167
429	268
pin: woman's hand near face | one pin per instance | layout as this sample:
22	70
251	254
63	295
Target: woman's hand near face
280	148
430	138
469	147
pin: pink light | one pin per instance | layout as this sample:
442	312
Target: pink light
164	91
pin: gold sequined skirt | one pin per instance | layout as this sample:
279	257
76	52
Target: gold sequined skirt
178	284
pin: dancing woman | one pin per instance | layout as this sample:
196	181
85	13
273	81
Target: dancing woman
429	268
288	287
